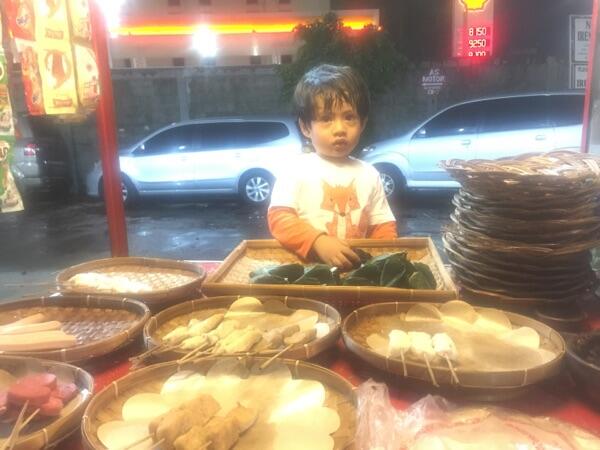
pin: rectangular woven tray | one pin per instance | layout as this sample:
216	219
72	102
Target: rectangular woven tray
232	277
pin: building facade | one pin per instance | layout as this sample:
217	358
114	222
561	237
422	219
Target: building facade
193	33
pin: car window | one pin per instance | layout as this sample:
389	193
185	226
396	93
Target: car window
456	121
224	135
519	113
177	139
566	110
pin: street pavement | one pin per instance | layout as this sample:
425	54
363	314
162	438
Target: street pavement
51	235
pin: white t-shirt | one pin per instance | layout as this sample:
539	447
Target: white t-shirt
340	198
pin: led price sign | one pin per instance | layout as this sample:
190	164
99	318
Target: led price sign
473	28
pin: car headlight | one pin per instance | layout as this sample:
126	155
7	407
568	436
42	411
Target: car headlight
368	149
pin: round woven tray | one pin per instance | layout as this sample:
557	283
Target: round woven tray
44	433
481	297
108	403
101	324
171	280
167	320
486	385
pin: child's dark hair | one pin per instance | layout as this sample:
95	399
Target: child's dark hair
334	84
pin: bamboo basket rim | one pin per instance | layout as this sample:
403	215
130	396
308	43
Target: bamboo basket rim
214	283
90	350
118	387
529	376
482	295
151	297
305	351
62	426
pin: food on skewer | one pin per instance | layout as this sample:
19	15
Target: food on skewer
444	346
399	344
199	328
301	337
421	346
34	333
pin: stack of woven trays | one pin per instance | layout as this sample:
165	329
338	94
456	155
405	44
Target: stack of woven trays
523	227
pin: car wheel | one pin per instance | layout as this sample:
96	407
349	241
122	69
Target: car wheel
256	188
128	191
392	180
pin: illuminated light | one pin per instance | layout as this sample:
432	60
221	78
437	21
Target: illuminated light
205	41
112	14
473	5
379	28
255	50
187	29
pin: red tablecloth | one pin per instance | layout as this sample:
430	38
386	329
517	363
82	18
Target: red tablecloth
557	398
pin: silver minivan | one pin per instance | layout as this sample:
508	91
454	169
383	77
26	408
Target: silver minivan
209	156
487	128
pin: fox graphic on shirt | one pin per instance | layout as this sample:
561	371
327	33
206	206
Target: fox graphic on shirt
342	201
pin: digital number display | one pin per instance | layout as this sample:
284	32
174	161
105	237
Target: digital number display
478	41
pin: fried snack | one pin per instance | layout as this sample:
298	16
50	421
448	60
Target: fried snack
219	433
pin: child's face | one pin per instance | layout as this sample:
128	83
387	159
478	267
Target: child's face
334	133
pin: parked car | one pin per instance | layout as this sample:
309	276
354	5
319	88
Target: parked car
486	128
211	156
40	158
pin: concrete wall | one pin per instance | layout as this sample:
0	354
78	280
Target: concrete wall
146	99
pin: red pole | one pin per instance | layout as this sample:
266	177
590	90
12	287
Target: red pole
587	104
107	137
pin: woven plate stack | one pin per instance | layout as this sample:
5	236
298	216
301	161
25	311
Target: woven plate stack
523	227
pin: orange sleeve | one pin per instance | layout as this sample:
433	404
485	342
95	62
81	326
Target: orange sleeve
292	232
386	230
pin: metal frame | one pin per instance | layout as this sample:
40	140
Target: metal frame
587	111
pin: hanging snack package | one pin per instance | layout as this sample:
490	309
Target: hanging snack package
79	10
88	87
10	199
58	78
20	17
434	423
6	116
32	80
51	21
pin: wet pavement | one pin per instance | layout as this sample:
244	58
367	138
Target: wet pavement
52	235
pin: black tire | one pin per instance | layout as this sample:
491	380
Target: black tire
128	190
256	187
394	183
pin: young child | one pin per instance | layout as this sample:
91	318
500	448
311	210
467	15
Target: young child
326	197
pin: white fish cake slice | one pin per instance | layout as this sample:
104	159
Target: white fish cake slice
116	435
322	419
458	312
145	407
378	343
304	318
523	336
323	329
297	396
423	312
493	321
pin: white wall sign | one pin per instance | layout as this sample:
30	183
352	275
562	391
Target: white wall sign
433	81
580	34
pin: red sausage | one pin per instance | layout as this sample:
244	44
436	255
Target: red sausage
41	379
22	392
51	408
65	391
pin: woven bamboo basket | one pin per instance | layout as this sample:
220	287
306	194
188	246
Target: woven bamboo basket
45	433
171	280
167	320
108	403
482	385
232	277
101	324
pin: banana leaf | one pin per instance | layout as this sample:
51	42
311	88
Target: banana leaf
426	271
357	281
396	267
290	272
419	281
323	273
368	272
265	278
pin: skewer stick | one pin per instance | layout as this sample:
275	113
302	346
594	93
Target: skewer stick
137	359
452	370
139	441
30	418
433	380
403	364
269	361
9	443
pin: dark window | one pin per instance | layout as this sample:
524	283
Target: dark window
177	139
566	110
286	59
456	121
174	2
255	60
510	114
179	62
226	135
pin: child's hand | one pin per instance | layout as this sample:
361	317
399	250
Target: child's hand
335	252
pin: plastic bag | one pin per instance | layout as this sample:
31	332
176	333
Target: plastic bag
433	423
